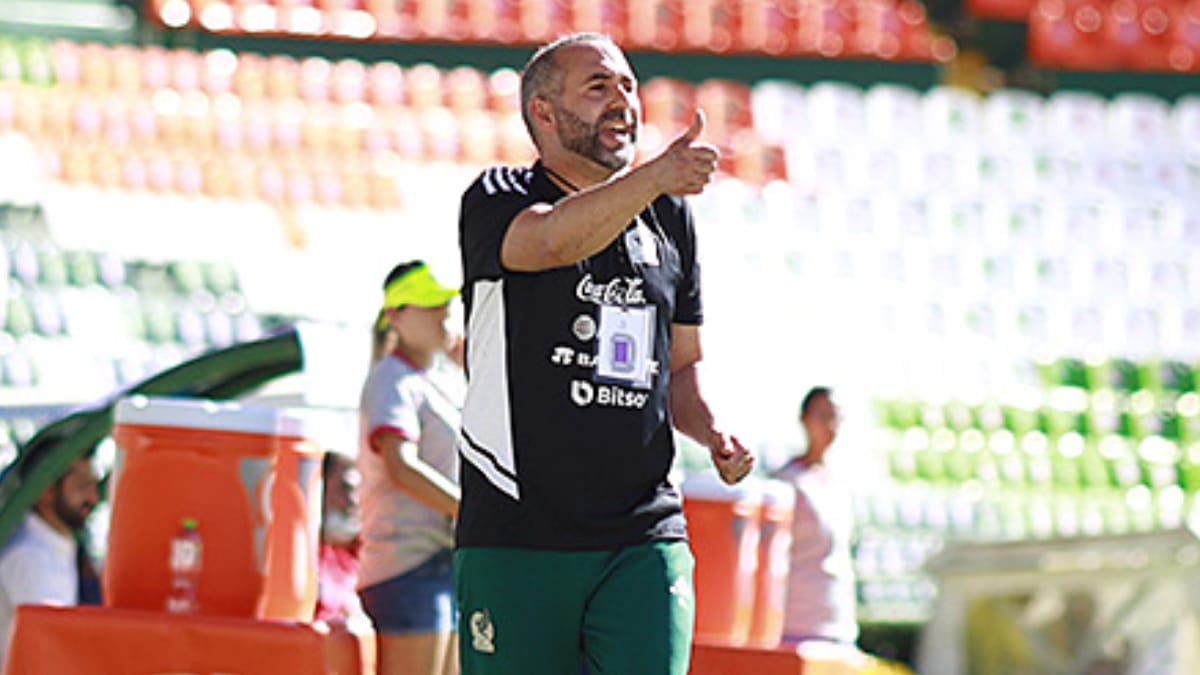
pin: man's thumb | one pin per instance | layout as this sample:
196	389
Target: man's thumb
693	132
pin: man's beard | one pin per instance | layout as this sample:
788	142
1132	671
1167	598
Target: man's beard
340	528
74	517
583	139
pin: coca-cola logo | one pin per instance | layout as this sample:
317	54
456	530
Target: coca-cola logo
618	291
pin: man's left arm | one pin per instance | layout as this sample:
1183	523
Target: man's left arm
691	413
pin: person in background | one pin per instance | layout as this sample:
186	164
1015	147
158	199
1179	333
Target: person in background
341	527
582	293
821	599
408	421
39	564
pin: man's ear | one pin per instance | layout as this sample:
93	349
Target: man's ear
541	111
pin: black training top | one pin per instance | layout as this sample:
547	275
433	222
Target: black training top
566	433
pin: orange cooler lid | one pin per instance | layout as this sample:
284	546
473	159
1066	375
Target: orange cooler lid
708	486
209	415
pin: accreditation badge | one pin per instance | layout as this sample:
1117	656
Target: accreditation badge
625	345
641	244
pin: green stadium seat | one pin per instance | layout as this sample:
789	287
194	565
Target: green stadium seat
18	316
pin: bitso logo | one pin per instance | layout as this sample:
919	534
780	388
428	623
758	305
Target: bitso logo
582	393
483	632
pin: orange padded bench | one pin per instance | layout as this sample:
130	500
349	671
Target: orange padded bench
103	641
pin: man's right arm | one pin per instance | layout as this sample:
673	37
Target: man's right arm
546	236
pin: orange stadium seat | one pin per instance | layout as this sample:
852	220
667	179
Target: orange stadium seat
250	77
287	117
425	86
271	182
600	16
219	70
126	69
653	24
1140	30
1185	49
134	175
227	132
186	68
349	78
283	75
106	167
95	71
189	175
143	121
826	28
327	185
1070	34
668	103
478	137
86	117
540	21
160	171
317	128
155	68
466	89
504	91
515	147
439	128
67	62
116	131
709	25
727	109
386	84
350	126
767	26
315	76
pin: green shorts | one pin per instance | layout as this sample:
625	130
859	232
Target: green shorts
527	612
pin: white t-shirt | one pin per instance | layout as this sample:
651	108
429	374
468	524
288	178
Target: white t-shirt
37	567
821	599
399	532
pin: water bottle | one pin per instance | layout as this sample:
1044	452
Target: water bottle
187	552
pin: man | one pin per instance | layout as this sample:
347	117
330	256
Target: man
341	528
38	565
821	584
582	293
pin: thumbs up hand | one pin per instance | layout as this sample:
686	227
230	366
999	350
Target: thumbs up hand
686	165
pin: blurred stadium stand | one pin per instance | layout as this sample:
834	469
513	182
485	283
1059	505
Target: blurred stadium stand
980	220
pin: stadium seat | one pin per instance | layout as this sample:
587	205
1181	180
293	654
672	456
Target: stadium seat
386	84
778	109
651	24
727	109
668	103
891	112
1184	55
1014	116
349	81
1071	34
504	91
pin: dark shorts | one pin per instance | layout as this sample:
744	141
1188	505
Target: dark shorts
419	601
624	612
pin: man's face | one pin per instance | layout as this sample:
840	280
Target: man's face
342	519
598	111
76	494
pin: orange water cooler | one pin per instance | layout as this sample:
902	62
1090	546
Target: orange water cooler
723	526
252	480
774	562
